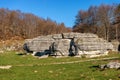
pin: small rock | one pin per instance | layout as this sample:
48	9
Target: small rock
5	67
35	71
115	65
50	71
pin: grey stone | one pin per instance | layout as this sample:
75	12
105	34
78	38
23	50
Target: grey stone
62	44
39	44
115	65
57	36
115	44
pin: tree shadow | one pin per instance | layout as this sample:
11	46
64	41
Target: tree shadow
21	54
73	50
39	54
95	67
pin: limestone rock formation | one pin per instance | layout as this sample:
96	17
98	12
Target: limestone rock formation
66	44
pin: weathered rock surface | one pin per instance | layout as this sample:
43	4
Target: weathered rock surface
115	65
39	44
116	45
61	47
68	44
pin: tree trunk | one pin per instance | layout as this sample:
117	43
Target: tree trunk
116	31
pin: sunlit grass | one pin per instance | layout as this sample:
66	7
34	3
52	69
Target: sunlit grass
27	67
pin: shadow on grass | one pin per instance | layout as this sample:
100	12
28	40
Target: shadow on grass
95	67
21	54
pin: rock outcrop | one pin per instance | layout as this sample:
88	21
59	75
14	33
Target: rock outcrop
68	44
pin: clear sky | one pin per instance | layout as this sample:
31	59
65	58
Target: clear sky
57	10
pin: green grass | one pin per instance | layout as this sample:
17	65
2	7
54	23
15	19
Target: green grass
27	67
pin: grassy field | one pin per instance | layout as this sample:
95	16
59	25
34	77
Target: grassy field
27	67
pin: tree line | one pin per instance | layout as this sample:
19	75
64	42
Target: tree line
102	20
25	25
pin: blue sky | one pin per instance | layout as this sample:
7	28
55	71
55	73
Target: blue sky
57	10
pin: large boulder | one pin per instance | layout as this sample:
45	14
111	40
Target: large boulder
68	44
93	44
61	47
39	44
